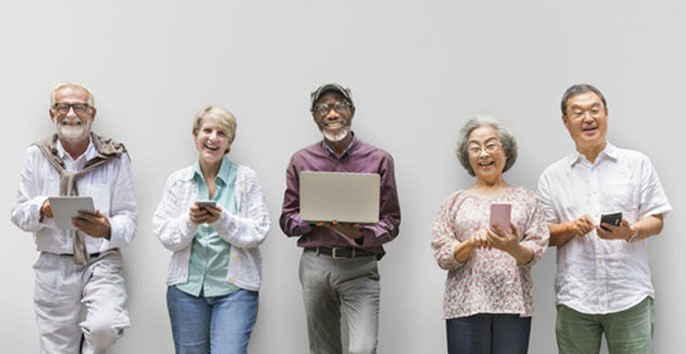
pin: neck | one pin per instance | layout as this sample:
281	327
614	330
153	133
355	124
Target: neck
210	169
339	146
493	184
592	152
74	150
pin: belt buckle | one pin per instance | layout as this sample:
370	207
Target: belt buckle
334	255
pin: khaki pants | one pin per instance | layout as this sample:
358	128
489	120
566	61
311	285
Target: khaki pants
79	309
331	285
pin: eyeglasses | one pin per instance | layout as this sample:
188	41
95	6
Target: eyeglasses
593	112
323	109
63	108
491	147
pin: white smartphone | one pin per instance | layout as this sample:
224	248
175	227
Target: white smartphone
206	203
500	215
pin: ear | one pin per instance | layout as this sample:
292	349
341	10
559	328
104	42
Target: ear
52	115
93	113
564	119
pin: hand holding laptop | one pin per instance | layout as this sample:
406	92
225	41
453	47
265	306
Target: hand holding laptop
349	230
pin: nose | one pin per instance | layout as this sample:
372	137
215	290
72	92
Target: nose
71	112
331	114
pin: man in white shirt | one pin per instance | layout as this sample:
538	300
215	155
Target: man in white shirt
603	276
79	289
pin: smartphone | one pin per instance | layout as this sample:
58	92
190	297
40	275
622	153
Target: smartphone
612	219
206	203
500	215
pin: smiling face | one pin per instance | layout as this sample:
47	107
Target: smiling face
211	141
586	121
486	155
336	121
73	129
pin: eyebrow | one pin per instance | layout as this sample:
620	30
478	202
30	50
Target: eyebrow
485	141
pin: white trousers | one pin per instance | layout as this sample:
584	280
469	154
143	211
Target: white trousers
79	309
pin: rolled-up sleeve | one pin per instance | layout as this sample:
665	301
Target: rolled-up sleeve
444	237
290	221
389	208
123	209
536	235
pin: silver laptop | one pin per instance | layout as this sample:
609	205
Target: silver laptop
340	196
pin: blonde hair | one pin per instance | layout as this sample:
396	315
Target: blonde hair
223	117
75	85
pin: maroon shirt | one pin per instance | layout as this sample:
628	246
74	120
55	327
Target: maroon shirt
358	157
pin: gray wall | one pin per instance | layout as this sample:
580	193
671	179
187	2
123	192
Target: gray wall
417	70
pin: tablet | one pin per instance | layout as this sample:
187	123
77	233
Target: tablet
65	208
340	196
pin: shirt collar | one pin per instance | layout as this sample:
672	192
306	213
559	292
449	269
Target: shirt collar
610	152
349	149
223	174
90	152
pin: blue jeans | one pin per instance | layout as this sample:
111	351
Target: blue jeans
217	325
488	334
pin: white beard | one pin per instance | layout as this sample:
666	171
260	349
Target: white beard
336	137
74	134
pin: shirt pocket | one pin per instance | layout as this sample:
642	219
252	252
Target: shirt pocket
100	192
625	195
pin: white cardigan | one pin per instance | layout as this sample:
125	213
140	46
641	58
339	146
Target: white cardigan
245	231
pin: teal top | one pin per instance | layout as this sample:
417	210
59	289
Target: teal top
209	261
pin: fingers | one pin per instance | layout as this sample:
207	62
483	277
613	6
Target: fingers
46	208
514	231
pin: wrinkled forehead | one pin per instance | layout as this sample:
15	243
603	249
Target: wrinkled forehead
71	93
483	134
330	96
586	99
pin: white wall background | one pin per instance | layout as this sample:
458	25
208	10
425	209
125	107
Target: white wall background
417	71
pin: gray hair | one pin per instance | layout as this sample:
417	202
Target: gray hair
578	89
506	139
76	85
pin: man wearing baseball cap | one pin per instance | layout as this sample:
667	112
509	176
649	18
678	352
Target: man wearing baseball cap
338	267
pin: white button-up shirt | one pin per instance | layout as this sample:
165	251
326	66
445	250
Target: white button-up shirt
110	186
594	275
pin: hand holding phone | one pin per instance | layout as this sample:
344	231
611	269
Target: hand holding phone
203	204
612	219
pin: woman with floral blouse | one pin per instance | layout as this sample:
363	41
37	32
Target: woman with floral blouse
488	299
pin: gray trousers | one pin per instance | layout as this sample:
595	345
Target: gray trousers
331	285
79	309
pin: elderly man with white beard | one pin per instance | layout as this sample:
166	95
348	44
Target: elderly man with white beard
79	294
338	267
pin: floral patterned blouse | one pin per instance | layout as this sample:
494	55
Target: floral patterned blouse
490	281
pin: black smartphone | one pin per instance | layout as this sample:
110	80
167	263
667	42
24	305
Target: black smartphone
612	219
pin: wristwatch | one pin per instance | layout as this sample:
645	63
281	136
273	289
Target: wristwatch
634	233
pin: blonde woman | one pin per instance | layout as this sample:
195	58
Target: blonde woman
213	217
